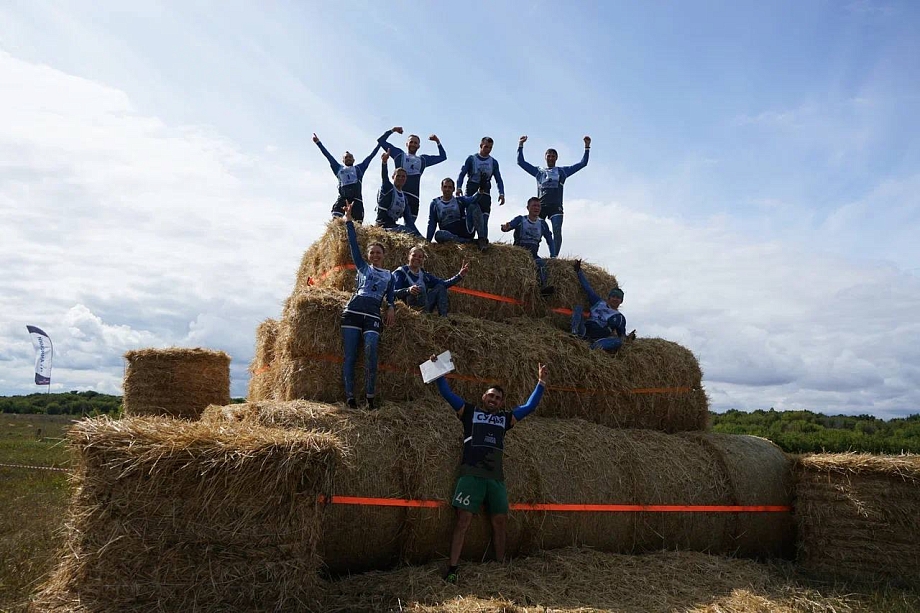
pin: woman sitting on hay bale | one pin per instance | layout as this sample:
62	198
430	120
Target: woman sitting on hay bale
361	316
419	288
606	326
482	480
392	203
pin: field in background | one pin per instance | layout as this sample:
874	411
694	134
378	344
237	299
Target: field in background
33	504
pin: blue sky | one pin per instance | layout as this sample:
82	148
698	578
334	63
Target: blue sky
753	183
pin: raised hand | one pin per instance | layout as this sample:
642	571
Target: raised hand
385	156
315	138
587	142
464	269
521	141
434	137
541	374
348	205
398	129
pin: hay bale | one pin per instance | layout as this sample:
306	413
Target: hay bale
173	515
412	450
176	382
261	382
502	270
651	383
858	518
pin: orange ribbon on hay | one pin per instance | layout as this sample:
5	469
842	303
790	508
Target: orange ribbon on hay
565	508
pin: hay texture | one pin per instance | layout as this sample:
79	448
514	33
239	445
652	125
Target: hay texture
412	451
502	270
261	381
650	383
582	580
173	515
858	517
175	382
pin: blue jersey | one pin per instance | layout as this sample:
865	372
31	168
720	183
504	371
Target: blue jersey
528	234
603	316
414	165
450	215
479	172
391	203
404	278
550	180
348	177
373	284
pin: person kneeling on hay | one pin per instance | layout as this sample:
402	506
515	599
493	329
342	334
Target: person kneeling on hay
606	326
419	288
392	203
482	480
528	231
361	316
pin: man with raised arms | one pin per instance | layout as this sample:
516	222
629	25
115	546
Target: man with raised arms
550	180
392	203
529	230
349	177
458	216
479	169
482	479
413	164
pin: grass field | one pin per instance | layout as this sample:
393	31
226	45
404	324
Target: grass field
33	504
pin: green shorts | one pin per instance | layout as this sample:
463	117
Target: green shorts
471	492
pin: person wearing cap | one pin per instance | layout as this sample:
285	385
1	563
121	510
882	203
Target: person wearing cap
550	180
529	230
479	169
349	177
392	203
419	288
606	326
413	164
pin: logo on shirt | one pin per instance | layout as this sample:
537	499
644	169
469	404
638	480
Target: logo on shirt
480	417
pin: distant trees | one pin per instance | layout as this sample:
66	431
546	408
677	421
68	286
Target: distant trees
69	403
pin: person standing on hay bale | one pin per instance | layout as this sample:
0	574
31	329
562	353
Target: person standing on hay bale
419	288
361	316
479	169
392	203
349	177
606	326
458	216
529	230
550	180
414	165
482	479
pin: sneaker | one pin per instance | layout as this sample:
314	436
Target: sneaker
370	403
452	575
483	243
352	403
549	290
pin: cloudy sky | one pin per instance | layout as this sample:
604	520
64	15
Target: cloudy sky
753	183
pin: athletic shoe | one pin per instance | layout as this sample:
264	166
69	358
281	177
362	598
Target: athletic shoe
483	243
352	403
549	290
452	575
370	403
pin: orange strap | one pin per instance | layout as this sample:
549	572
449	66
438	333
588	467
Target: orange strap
565	508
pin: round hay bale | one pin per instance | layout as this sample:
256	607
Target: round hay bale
412	450
261	381
857	517
175	382
649	383
174	515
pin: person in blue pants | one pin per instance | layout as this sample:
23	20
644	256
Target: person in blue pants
419	288
482	479
413	164
550	180
349	177
361	316
459	217
606	326
479	169
529	230
392	203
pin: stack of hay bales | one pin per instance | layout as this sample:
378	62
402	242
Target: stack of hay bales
175	515
857	517
175	382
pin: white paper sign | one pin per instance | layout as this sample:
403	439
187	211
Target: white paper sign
433	370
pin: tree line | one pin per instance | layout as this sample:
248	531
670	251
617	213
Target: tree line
793	431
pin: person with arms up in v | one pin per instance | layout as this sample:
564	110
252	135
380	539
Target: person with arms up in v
550	179
361	316
529	230
413	164
479	169
349	177
392	203
482	478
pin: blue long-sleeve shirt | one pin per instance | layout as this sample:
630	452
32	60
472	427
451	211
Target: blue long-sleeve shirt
450	215
404	279
528	234
373	284
391	203
520	412
349	177
414	165
550	180
480	170
602	315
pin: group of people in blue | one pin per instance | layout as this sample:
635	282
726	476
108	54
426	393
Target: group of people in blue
458	216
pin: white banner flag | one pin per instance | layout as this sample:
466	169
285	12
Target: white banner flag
43	353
